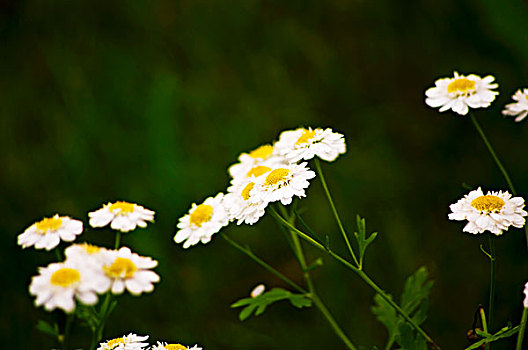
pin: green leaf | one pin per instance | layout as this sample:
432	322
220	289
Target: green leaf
386	315
505	332
259	304
48	329
361	237
416	290
414	302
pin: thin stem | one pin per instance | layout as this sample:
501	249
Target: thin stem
484	324
262	263
522	328
313	295
362	275
117	240
103	315
58	254
67	327
493	154
334	210
492	282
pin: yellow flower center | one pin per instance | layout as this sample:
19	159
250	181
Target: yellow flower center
175	347
305	137
462	85
123	208
121	267
201	214
487	204
276	176
263	152
90	248
49	224
258	170
65	277
246	190
114	343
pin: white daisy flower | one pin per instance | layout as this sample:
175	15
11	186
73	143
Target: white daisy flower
58	284
88	254
519	108
202	222
121	216
126	342
239	206
304	144
493	212
525	303
281	184
48	232
258	290
262	156
461	93
165	346
124	269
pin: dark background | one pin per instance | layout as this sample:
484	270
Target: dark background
151	101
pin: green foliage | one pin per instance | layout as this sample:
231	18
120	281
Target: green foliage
87	315
48	329
505	332
261	302
362	239
414	302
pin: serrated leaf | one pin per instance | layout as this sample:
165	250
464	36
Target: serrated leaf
414	302
505	332
259	303
48	329
361	237
416	290
408	340
386	315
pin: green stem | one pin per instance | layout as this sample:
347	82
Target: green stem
484	324
334	210
522	328
499	164
492	282
67	327
313	295
58	254
262	263
362	275
103	315
117	240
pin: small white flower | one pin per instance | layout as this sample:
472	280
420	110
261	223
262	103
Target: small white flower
87	254
48	232
124	269
58	284
526	295
461	92
165	346
126	342
304	144
202	222
281	184
519	108
262	156
493	212
258	290
121	216
241	207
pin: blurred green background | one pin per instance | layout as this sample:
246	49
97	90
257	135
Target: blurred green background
151	101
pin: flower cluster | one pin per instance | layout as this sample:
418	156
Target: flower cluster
135	342
89	270
269	173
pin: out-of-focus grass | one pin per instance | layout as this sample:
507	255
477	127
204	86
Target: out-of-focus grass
150	102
